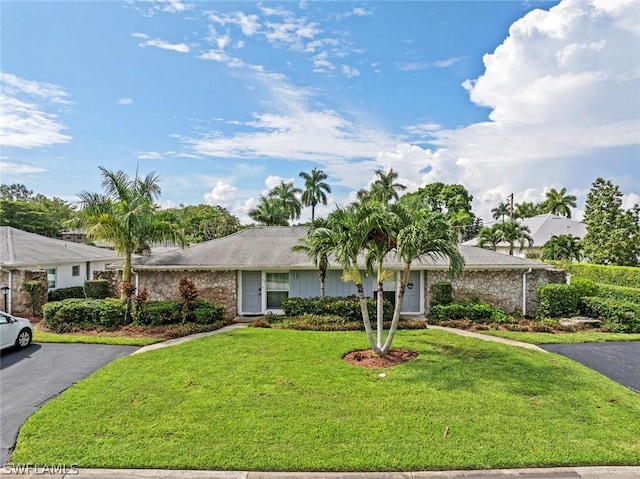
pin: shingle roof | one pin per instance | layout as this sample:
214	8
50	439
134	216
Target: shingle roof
544	226
19	248
265	247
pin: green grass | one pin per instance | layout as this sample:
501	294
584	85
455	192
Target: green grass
40	336
258	399
563	338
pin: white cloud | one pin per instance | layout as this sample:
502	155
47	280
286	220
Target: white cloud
26	119
350	71
447	62
222	194
125	101
630	200
248	24
412	66
9	168
151	7
149	155
158	43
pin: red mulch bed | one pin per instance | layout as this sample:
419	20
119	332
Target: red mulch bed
368	359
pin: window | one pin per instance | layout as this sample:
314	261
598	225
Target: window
75	270
51	278
277	289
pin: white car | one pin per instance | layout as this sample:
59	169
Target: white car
14	331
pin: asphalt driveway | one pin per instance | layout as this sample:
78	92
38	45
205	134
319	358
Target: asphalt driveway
617	361
31	376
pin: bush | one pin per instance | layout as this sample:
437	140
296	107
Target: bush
36	292
347	308
618	316
81	314
158	313
74	292
620	293
330	322
471	311
260	323
205	312
585	287
616	275
442	293
97	289
558	300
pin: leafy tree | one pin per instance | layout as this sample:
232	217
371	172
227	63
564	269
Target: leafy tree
126	215
270	212
384	188
512	232
558	202
501	211
488	237
315	189
206	222
613	234
15	192
562	247
375	229
288	196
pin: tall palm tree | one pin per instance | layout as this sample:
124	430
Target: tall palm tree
317	248
126	215
460	220
559	203
562	247
501	211
513	232
288	195
270	212
315	189
384	188
526	209
488	237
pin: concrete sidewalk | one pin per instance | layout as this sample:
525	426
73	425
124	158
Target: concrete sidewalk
184	339
614	472
486	337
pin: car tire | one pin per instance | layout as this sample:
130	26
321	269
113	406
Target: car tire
24	338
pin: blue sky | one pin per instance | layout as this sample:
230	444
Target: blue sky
225	99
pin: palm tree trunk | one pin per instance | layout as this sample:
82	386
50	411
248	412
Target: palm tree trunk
396	311
380	312
126	271
365	318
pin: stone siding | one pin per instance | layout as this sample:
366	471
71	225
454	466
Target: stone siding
502	289
219	287
18	298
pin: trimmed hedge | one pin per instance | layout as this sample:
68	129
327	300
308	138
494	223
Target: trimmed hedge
205	312
615	275
619	316
160	313
558	300
585	287
316	322
472	311
442	293
619	293
81	314
347	308
73	292
97	289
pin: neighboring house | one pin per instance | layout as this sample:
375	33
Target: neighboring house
25	256
542	228
77	236
251	271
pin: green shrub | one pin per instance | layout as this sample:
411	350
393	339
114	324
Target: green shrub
81	314
618	316
205	312
585	287
36	292
347	308
471	311
616	275
330	322
260	323
73	292
620	293
97	289
442	293
558	300
158	313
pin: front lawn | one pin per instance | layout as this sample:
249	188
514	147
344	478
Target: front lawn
258	399
41	336
563	338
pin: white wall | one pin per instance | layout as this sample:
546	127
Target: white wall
65	278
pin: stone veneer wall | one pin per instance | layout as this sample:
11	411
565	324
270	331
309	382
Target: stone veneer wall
219	287
502	288
18	296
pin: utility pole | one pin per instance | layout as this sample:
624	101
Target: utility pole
511	203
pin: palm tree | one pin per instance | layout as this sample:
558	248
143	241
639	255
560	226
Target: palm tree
558	202
512	232
488	238
460	220
383	189
527	209
317	249
270	212
288	195
501	211
562	247
126	215
315	190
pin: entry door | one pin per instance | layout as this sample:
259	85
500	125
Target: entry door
251	292
411	301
